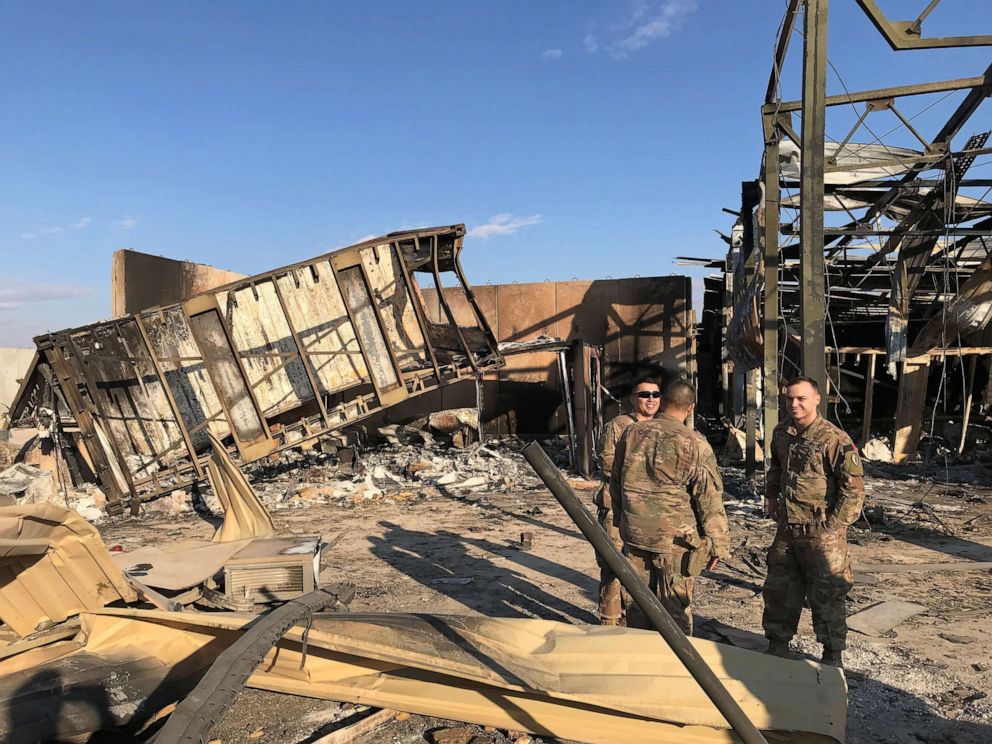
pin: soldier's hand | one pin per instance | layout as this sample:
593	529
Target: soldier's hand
712	563
771	509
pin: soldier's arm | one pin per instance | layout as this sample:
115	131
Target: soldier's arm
706	491
843	459
616	476
773	483
608	447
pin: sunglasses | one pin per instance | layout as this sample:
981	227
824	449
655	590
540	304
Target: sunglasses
649	394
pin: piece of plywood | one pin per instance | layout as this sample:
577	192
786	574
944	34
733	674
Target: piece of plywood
882	618
909	407
184	566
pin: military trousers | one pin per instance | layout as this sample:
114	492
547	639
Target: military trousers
663	574
808	562
611	596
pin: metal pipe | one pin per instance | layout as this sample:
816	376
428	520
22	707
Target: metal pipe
644	597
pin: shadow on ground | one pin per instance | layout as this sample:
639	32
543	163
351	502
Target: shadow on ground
433	558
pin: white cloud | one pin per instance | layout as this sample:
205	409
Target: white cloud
503	224
128	222
18	292
552	54
646	22
41	232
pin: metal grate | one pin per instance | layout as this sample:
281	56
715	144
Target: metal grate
265	584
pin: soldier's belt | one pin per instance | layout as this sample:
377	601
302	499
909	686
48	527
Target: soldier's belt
802	528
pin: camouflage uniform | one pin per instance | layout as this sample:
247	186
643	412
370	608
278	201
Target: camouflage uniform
815	488
668	499
610	602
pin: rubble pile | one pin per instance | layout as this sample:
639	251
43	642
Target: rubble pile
397	472
28	484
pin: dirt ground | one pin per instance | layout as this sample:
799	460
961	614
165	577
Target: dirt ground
927	680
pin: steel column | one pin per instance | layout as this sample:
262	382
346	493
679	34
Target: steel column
770	315
812	301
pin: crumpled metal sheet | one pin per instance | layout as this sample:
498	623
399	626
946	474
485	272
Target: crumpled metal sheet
584	683
968	313
744	339
245	516
53	565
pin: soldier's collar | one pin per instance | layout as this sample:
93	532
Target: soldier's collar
794	430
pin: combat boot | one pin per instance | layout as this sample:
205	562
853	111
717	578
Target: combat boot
833	658
779	649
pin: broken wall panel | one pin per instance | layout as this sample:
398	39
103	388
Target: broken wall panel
315	309
140	281
171	342
642	324
268	361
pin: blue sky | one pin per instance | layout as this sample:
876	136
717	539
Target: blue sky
575	138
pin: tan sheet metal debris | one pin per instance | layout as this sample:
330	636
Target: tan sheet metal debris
549	678
53	565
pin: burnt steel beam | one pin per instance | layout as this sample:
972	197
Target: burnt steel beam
781	48
878	94
903	35
770	314
951	127
870	232
645	598
812	301
750	198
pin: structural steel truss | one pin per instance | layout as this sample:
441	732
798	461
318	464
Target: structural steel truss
906	275
265	363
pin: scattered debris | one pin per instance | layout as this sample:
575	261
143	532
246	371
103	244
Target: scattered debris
877	449
350	733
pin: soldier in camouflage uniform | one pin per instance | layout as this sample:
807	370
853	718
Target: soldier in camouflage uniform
668	501
644	401
815	489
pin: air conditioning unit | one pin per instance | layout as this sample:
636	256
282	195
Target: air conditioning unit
274	570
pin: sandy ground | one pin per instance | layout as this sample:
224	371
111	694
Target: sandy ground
926	681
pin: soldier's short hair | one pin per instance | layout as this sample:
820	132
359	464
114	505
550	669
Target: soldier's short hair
644	381
679	394
803	378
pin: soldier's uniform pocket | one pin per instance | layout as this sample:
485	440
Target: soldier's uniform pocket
697	558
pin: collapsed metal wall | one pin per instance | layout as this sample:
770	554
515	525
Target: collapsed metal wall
264	363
